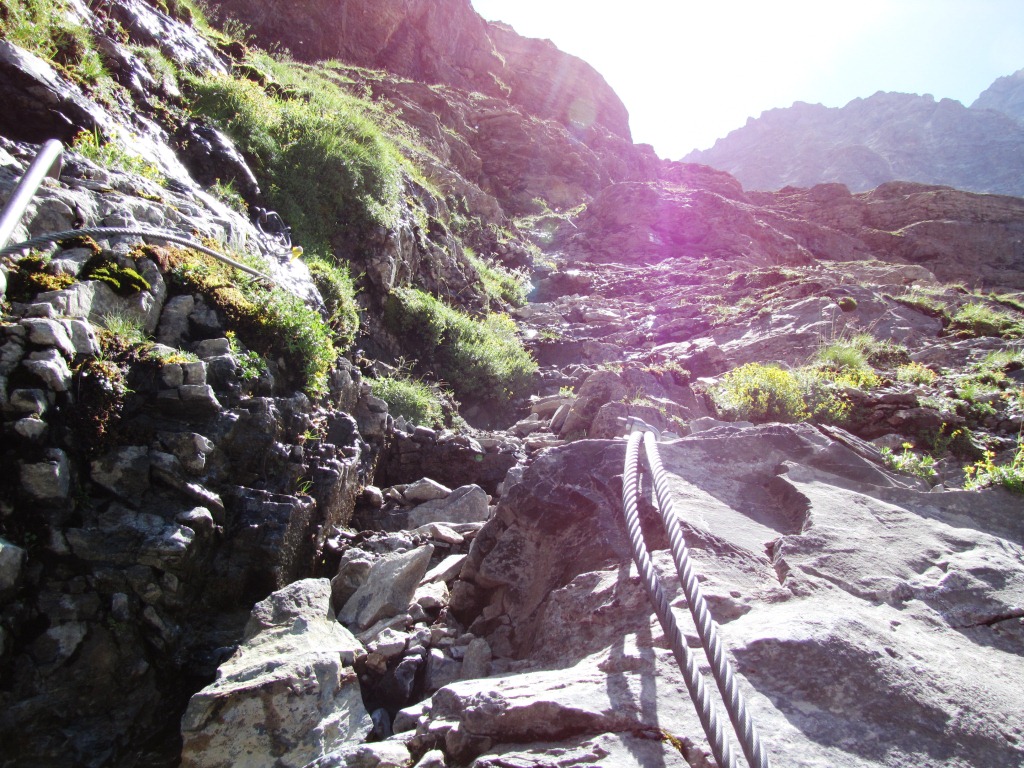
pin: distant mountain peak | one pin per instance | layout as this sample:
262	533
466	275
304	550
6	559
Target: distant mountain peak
1005	95
883	137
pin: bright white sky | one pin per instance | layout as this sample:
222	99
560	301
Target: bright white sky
690	71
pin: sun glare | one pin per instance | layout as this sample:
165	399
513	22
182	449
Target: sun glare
689	72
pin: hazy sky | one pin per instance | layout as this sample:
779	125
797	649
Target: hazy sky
690	72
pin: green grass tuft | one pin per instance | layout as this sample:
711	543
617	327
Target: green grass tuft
916	373
416	400
339	294
763	393
845	362
45	28
985	472
481	359
977	319
506	285
269	321
324	162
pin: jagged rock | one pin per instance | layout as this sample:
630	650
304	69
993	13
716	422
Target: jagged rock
838	582
41	104
453	460
289	694
147	25
626	750
174	320
353	570
476	659
446	570
467	504
123	471
440	533
31	428
123	536
49	333
190	449
425	490
212	157
83	336
444	43
12	560
599	388
1005	95
48	480
29	401
441	670
273	541
93	300
431	596
432	759
388	589
385	754
51	367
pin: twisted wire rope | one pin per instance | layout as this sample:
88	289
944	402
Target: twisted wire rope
171	237
707	630
705	707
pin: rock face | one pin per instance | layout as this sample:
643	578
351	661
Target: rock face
885	137
844	596
289	690
442	42
935	227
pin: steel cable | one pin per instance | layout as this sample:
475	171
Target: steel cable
705	707
707	630
170	237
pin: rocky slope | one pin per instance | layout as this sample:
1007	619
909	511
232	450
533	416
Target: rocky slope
215	553
884	137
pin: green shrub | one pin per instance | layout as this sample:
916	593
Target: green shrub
847	303
35	274
481	359
269	321
124	281
119	331
912	463
325	164
230	196
845	361
45	28
339	294
109	154
250	365
416	400
916	373
985	472
978	319
759	393
926	301
500	283
1003	359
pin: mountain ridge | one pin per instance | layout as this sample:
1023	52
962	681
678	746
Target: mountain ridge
884	137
